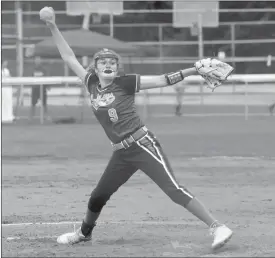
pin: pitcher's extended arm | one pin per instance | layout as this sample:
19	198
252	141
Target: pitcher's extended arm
158	81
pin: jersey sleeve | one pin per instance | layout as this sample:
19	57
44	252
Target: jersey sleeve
130	83
90	80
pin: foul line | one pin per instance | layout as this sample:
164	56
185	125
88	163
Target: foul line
74	223
166	222
30	238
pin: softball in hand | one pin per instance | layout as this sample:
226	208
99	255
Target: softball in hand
47	15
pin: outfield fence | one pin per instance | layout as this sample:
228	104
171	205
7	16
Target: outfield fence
245	90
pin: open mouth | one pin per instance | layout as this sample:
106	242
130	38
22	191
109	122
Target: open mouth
108	71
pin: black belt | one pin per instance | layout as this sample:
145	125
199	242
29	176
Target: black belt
126	143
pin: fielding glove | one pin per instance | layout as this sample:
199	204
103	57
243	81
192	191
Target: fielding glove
214	72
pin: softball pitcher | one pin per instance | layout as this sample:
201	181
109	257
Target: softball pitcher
134	145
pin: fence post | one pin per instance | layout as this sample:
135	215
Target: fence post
66	73
233	50
200	37
19	51
202	93
111	17
246	101
42	104
233	38
160	38
145	105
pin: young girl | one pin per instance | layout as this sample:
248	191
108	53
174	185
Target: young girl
135	147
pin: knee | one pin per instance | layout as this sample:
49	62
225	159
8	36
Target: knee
96	203
180	196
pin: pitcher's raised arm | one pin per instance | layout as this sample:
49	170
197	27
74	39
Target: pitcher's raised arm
48	16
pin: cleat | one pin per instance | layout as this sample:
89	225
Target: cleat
73	238
222	235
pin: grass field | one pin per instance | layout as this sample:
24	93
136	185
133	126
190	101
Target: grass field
49	171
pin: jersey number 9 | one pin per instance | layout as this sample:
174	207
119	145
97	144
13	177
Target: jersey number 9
113	115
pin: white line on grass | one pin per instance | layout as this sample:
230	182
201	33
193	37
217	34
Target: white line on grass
17	238
102	223
30	238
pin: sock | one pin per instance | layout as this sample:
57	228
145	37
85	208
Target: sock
89	222
198	209
86	229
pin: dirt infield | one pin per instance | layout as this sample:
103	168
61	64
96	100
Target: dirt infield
48	172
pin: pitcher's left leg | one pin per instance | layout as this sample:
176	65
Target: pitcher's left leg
155	164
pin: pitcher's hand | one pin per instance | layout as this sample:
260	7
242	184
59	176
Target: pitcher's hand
47	15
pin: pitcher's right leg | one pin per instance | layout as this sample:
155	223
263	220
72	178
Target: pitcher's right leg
115	175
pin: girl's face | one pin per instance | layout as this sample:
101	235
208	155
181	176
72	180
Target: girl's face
106	68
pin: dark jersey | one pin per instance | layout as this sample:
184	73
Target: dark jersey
114	106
